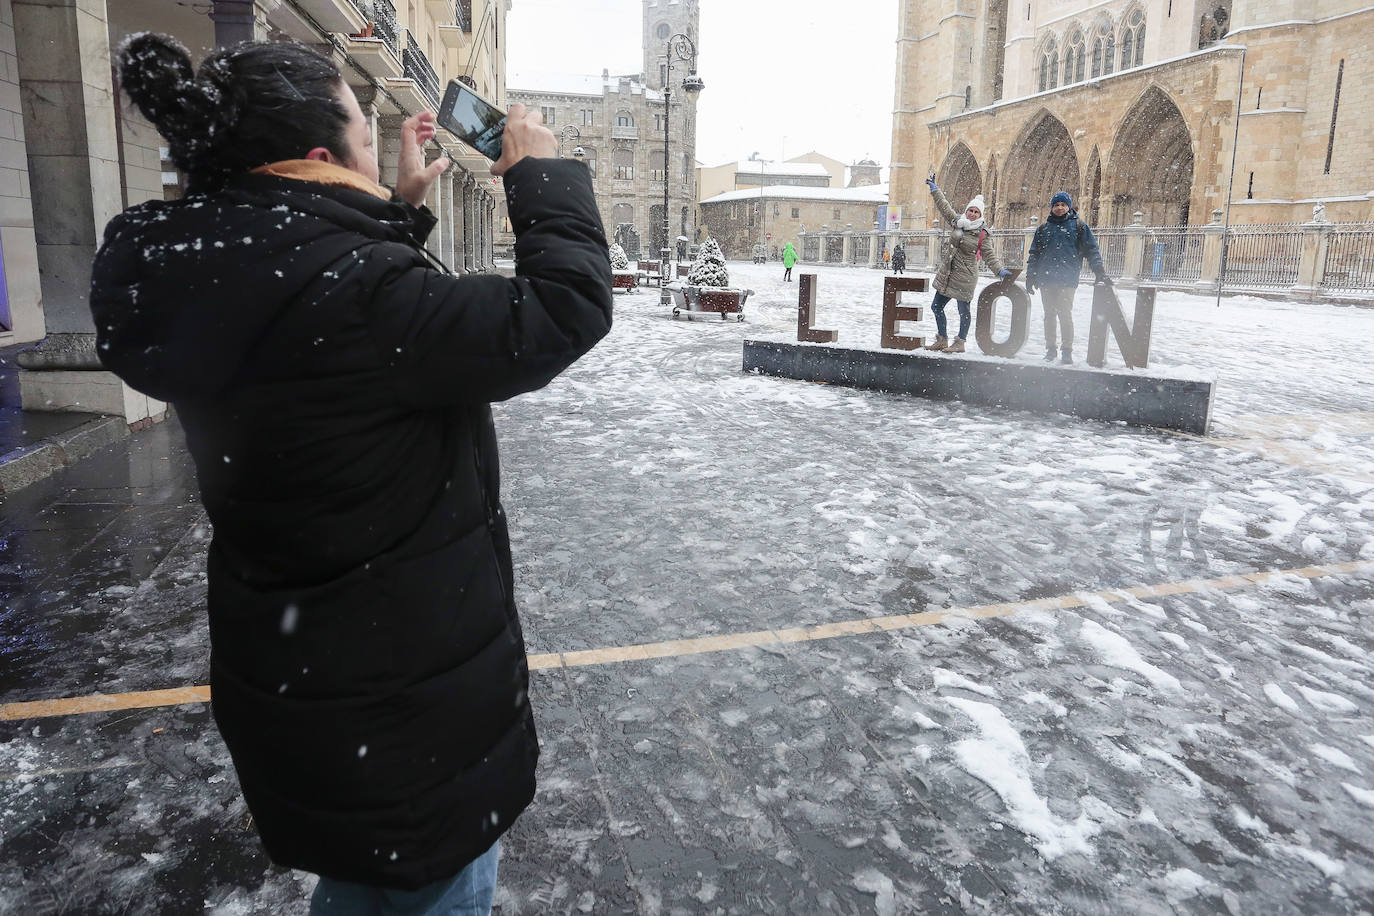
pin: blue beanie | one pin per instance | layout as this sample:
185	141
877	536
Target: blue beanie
1062	198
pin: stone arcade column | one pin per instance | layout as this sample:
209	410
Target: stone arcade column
460	223
66	89
435	201
490	224
445	215
388	141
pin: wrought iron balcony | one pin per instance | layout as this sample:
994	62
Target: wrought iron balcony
418	68
462	12
382	16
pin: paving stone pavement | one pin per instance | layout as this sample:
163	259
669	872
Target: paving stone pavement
1205	751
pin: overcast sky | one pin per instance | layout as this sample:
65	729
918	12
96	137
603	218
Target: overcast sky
783	77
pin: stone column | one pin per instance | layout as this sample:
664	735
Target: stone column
875	242
460	222
491	230
388	141
1135	248
236	21
1316	237
469	225
1213	237
445	215
1027	237
933	238
847	253
435	201
67	96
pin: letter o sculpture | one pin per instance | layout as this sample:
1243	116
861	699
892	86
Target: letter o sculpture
1020	318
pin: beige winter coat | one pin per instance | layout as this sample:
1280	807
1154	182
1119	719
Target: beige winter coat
958	273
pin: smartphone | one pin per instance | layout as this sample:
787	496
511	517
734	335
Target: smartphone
472	119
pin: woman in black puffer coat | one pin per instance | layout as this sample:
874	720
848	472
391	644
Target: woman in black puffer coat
368	671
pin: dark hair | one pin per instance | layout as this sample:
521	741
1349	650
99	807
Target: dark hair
249	105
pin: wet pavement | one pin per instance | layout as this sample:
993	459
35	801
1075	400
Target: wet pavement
985	711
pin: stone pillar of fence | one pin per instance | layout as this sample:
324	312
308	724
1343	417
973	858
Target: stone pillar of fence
1028	236
847	256
874	244
1135	248
1316	237
933	248
1213	239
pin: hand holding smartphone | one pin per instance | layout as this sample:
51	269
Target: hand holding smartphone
472	119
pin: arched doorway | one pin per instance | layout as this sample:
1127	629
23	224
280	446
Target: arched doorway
1151	167
1041	162
960	178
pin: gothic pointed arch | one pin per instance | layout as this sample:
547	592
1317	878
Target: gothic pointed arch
1091	205
1151	166
1041	162
960	177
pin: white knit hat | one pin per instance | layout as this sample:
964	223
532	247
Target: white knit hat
978	202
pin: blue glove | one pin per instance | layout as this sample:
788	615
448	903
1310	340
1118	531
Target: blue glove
1004	273
930	183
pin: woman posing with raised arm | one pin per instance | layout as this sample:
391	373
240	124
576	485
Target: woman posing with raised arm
367	663
966	241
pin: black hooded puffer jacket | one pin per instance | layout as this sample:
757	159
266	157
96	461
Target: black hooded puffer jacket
367	665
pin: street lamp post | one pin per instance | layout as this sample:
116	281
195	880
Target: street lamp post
570	132
678	47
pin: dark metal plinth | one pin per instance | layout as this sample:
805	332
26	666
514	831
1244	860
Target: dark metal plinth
1136	398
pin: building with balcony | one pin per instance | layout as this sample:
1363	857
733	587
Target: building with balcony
773	215
1136	106
67	169
618	122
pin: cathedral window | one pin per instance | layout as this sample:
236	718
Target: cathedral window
1049	66
1104	49
1133	39
1074	57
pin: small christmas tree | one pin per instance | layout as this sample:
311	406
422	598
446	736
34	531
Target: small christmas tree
709	269
619	260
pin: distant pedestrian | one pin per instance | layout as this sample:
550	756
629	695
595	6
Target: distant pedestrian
964	245
898	258
1054	265
334	384
789	260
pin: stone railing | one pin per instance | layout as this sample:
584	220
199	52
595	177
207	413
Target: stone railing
1309	260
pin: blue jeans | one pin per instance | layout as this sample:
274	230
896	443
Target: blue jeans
938	307
468	893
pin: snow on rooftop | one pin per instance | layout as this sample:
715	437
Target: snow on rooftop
591	84
876	194
758	167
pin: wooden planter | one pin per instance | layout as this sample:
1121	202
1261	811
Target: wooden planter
709	300
624	279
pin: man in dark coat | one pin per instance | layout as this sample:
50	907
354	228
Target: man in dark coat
367	664
1054	265
898	259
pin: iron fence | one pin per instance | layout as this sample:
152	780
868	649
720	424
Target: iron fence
462	14
1350	257
418	68
1171	253
1112	244
1009	245
811	248
860	254
1262	256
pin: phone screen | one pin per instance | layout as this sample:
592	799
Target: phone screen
472	119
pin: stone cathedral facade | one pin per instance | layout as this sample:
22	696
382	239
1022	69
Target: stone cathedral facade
1136	106
618	122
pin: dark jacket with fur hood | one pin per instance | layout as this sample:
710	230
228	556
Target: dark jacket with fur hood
367	665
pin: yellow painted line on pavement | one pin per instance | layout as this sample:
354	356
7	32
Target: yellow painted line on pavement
733	641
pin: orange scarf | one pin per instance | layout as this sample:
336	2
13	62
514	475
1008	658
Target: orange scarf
322	173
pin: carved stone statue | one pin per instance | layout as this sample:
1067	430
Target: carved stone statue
1319	213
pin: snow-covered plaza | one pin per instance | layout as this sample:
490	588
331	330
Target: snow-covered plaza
801	648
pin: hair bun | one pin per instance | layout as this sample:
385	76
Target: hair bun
193	115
